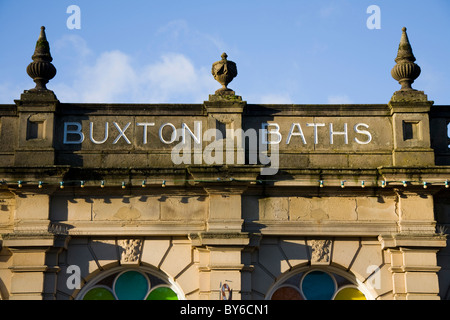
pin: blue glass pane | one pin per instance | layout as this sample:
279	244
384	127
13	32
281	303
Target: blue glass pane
318	285
131	285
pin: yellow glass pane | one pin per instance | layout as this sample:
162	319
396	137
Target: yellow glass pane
350	294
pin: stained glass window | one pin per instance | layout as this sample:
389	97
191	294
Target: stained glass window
317	285
130	285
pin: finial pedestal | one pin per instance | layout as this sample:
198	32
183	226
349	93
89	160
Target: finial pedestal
41	70
405	71
37	110
224	71
409	112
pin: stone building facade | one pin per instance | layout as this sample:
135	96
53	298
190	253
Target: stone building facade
224	199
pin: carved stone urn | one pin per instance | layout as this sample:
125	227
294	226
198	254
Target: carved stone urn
41	70
224	71
405	71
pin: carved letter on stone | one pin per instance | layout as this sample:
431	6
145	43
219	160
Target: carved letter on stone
320	251
130	250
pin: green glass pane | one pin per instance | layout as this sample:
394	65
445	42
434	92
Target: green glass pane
318	285
162	293
350	294
99	294
131	285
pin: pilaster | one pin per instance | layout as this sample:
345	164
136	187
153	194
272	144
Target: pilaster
36	110
224	120
224	264
409	111
413	265
34	264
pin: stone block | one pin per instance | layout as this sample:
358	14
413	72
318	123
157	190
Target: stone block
29	258
379	282
224	257
344	252
204	279
224	213
27	283
419	258
274	208
81	256
219	277
273	260
399	284
413	158
296	251
34	158
127	160
153	250
421	282
411	131
376	208
316	208
178	257
8	134
293	160
182	208
33	207
370	160
416	207
367	260
7	159
7	206
126	208
261	280
105	251
70	209
189	280
328	160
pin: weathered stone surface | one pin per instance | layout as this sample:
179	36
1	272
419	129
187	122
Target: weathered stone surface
347	194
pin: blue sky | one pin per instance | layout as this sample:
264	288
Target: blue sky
302	52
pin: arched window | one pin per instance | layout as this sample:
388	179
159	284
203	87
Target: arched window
317	284
130	284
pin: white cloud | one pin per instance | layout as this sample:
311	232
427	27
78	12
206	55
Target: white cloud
175	76
113	77
117	76
74	43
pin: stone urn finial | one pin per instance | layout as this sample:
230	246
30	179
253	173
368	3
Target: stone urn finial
405	71
224	71
41	70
